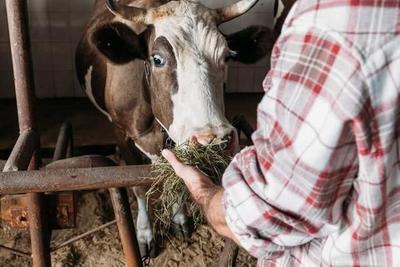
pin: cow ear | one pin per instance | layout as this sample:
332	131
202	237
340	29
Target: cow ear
119	43
251	44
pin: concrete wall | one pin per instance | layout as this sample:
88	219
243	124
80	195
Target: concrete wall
56	26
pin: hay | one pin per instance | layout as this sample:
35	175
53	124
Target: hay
211	159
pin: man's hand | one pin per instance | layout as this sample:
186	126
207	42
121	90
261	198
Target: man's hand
204	192
201	187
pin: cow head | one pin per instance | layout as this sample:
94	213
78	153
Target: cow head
185	55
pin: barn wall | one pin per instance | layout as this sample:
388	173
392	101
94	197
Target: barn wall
56	26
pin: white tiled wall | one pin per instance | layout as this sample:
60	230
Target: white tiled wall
56	26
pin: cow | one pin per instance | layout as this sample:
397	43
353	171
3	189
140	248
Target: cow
281	10
156	70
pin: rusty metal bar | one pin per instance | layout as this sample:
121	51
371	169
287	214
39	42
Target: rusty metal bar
78	237
39	231
22	152
60	210
64	145
87	161
120	203
16	252
56	180
229	254
64	149
126	228
22	62
17	17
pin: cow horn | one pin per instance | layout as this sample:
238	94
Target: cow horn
225	14
135	14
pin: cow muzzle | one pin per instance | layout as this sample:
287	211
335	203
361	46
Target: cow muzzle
230	139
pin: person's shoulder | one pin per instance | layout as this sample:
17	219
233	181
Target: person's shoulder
363	25
351	16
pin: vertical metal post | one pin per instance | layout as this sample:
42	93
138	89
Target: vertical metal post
17	17
119	198
126	228
64	145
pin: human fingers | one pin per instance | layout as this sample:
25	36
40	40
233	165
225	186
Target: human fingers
186	172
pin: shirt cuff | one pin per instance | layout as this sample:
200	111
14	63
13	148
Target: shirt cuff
248	238
244	209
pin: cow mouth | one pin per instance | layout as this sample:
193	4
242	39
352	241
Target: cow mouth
169	143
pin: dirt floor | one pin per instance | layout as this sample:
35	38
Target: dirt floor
103	248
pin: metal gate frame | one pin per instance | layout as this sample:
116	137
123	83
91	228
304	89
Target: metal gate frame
21	174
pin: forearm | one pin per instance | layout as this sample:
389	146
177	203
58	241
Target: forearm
215	213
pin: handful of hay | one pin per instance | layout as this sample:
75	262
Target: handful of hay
212	159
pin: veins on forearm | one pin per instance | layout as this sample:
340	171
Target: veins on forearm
208	197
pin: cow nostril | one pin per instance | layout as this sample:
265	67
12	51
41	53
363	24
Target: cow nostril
204	139
208	138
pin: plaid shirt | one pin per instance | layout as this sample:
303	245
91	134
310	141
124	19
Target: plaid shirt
321	185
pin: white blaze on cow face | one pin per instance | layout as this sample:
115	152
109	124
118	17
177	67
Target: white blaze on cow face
200	51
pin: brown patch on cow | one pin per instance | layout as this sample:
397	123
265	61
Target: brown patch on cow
165	10
131	111
153	142
86	54
163	81
99	75
84	58
146	76
162	12
119	43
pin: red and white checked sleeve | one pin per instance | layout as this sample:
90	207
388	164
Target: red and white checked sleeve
290	187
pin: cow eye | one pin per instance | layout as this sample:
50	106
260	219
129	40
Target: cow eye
158	60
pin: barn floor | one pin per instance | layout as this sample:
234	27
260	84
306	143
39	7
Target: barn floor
90	127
